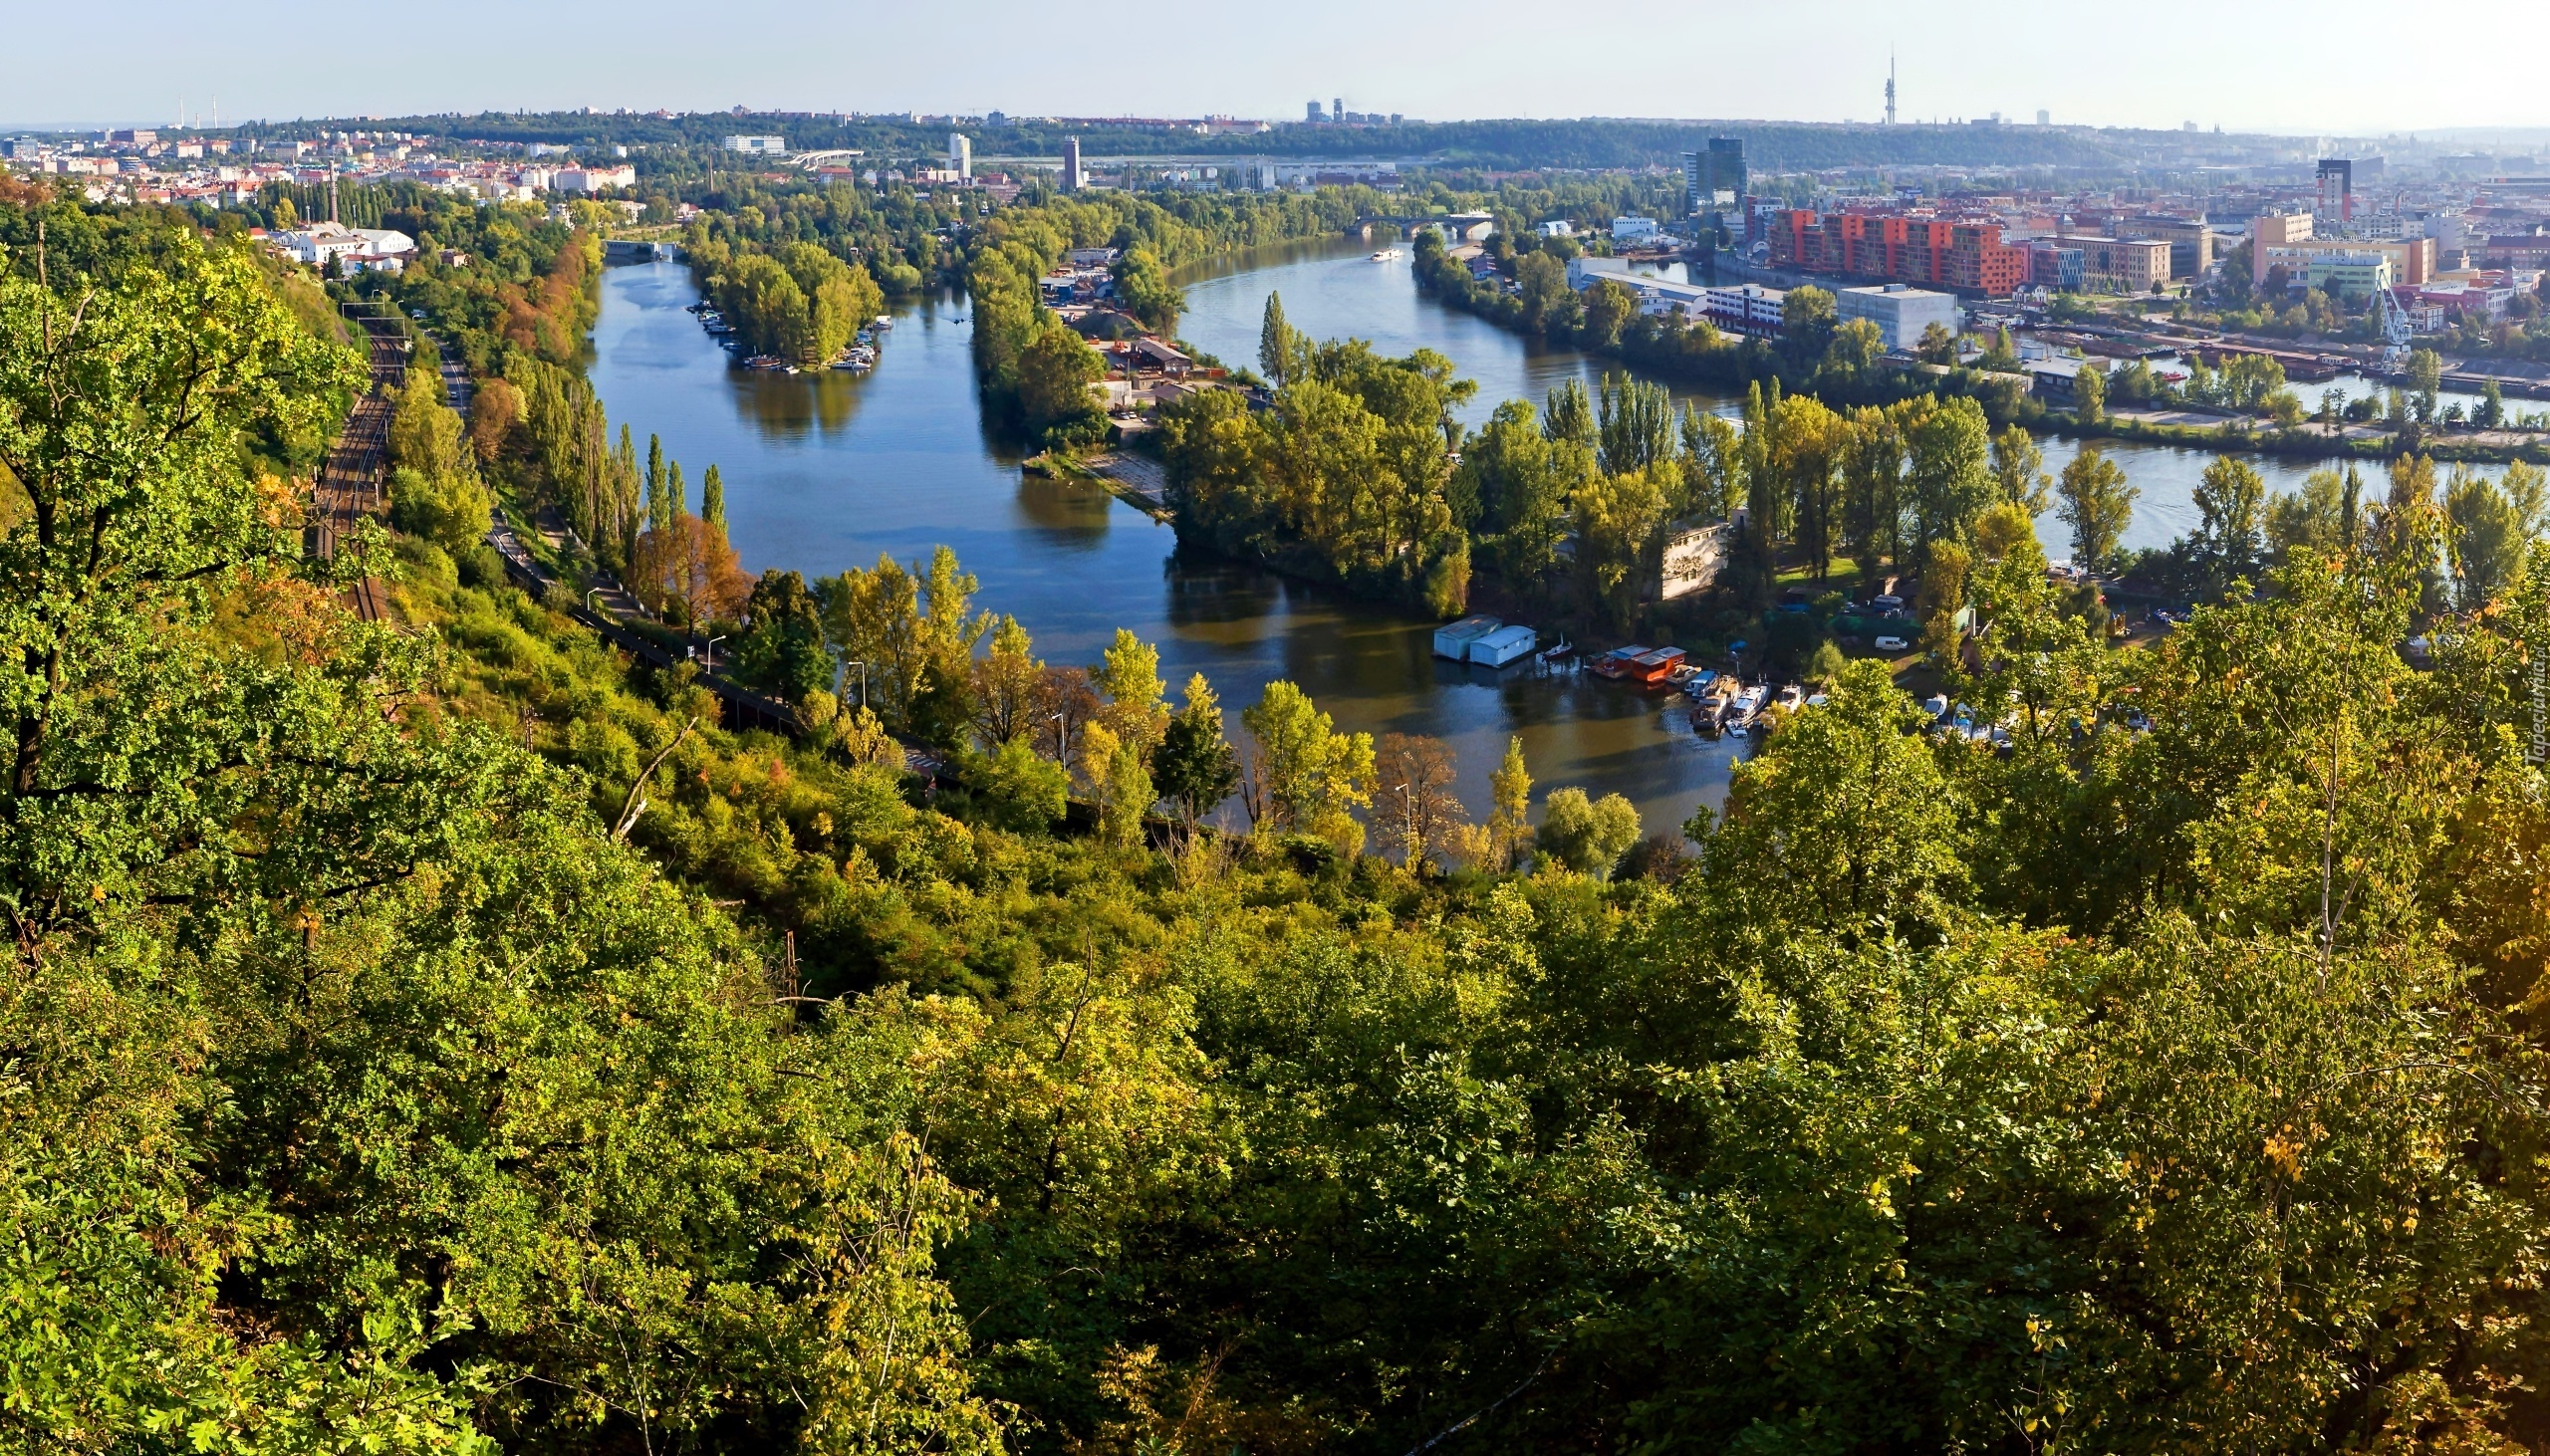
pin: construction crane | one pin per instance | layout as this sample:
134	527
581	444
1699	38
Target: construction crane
2397	335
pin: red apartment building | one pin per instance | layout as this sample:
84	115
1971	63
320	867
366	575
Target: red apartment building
1887	247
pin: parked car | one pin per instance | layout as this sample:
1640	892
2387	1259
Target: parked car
1892	644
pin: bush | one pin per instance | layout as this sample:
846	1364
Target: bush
480	567
1017	791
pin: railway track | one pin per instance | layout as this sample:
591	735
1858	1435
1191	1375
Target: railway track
349	481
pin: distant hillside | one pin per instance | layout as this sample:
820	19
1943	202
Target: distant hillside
1497	144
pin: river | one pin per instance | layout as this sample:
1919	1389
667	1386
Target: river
825	471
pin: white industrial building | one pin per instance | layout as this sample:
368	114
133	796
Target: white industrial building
1901	311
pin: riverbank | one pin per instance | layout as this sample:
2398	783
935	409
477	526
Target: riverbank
1653	348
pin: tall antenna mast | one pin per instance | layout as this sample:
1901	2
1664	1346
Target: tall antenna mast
1890	85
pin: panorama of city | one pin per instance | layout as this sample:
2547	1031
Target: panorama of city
739	780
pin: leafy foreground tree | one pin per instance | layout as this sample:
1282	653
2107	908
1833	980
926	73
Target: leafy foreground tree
368	1096
2164	1078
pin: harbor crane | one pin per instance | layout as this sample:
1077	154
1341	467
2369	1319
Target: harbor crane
2396	333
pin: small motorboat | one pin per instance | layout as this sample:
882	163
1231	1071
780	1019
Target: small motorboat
1558	651
1384	255
884	322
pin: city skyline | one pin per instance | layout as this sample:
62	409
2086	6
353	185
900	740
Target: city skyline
2243	73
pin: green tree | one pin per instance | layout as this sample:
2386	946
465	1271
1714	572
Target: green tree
2425	378
1634	425
2097	504
1195	765
1056	375
1844	822
1948	480
1143	286
1302	775
2231	536
2489	542
1587	835
1570	415
712	499
1542	290
1509	821
2018	468
1278	344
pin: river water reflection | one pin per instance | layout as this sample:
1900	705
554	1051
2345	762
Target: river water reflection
825	471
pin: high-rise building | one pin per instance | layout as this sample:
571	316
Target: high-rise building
2337	188
1311	113
1337	110
2044	117
1071	164
960	156
1708	174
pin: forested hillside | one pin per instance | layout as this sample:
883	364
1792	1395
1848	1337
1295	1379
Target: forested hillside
441	1036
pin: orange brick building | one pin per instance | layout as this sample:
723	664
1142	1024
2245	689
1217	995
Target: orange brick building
1885	247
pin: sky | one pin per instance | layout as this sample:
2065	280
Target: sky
2355	69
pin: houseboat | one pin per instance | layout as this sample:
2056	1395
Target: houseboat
1503	646
1452	640
1617	662
1654	665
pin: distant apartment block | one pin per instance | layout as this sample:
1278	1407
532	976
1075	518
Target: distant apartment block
2121	265
2286	240
758	145
1634	229
593	179
1748	309
1939	253
1901	311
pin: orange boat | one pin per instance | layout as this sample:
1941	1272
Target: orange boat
1653	666
1620	661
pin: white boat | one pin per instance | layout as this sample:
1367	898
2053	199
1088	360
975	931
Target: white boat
1741	712
884	322
1384	255
1563	649
1503	646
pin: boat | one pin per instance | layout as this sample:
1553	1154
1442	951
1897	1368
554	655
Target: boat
1386	253
1558	651
1452	640
1791	697
1617	662
1655	665
1708	717
1741	712
1702	683
884	323
1503	646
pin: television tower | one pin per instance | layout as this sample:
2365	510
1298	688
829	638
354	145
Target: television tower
1889	86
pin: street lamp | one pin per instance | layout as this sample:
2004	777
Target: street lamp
712	654
1062	737
589	594
862	679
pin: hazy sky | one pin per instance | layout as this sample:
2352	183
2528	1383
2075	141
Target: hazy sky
2350	66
